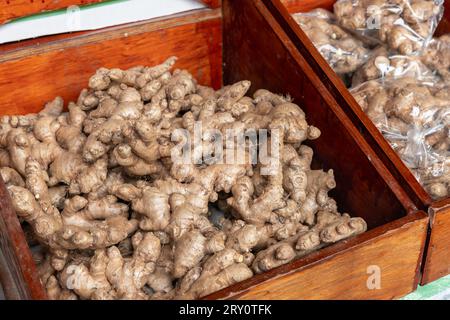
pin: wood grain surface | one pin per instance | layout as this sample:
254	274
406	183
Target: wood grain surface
344	271
307	5
212	3
35	74
437	263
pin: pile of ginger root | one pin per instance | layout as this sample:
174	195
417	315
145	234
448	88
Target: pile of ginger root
117	218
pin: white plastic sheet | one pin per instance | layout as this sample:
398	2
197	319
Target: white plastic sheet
93	17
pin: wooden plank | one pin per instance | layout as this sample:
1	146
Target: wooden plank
49	39
346	270
39	41
63	67
12	9
444	25
212	3
437	263
307	5
8	282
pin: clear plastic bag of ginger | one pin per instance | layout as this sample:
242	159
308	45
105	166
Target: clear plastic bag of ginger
384	64
344	52
406	26
414	116
437	56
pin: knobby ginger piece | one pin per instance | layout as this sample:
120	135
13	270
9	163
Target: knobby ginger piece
121	218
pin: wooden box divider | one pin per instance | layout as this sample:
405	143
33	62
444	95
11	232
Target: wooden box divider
437	258
254	47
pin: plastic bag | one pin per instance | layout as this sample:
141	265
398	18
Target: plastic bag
341	50
437	56
414	116
405	26
383	65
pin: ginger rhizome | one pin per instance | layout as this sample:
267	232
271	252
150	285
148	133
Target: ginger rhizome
414	118
404	25
437	56
344	52
364	40
121	217
403	81
387	65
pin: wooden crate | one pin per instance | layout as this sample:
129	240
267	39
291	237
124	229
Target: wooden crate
437	257
254	47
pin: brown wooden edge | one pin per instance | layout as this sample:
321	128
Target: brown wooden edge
120	31
212	3
328	254
13	9
444	25
437	257
347	102
194	36
307	5
164	22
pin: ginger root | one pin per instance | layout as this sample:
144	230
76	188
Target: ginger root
340	49
122	214
385	65
404	25
437	56
413	116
